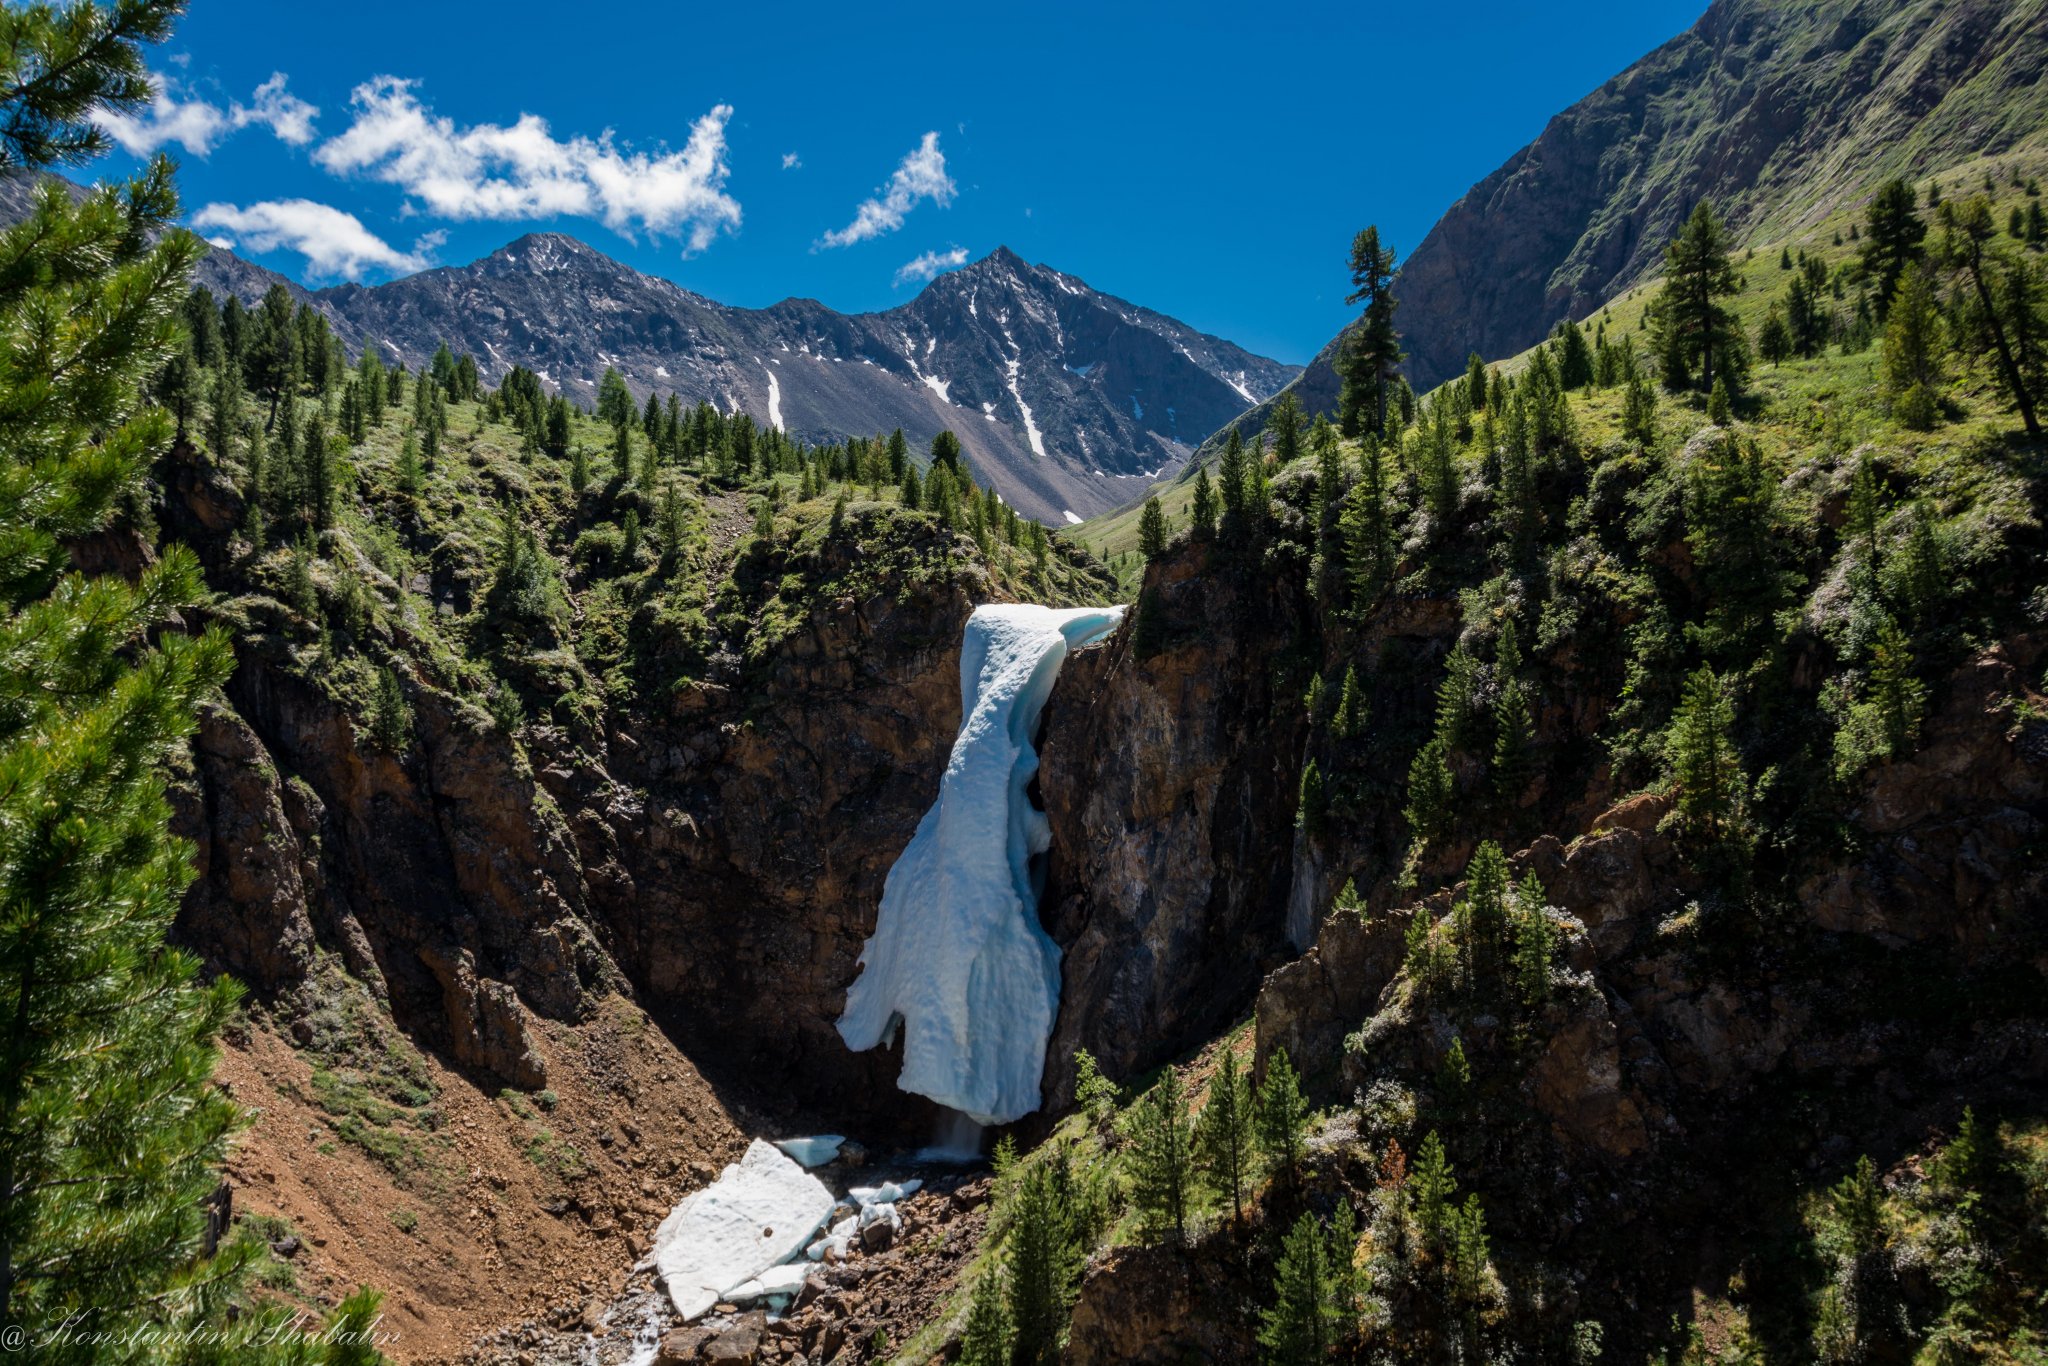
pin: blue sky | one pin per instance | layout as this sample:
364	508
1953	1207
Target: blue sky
1208	161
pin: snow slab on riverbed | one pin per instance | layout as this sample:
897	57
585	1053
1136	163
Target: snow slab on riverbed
958	957
759	1213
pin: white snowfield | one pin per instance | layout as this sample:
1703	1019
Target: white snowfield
958	958
760	1213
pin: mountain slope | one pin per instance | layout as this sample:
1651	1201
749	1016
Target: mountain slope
1068	400
1779	111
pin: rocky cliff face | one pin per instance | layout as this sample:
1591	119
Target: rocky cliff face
1066	399
1169	778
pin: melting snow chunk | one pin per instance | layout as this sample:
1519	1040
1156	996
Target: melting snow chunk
759	1213
814	1151
958	956
1068	513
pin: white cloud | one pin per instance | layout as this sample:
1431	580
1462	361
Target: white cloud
792	162
277	109
493	171
197	124
921	176
335	243
931	265
194	125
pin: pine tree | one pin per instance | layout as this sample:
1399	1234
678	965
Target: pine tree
911	492
1282	1118
1232	473
1535	940
1159	1157
1475	381
1773	338
1096	1094
985	1341
1432	1185
1698	332
111	1130
1574	357
1301	1325
1639	412
1372	348
1223	1132
1513	736
1430	791
1348	721
1039	1267
1368	532
1911	364
1285	423
1312	808
1152	531
390	713
1204	506
1966	233
1892	241
1704	762
1898	696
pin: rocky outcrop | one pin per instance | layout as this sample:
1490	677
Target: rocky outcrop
1949	826
1169	779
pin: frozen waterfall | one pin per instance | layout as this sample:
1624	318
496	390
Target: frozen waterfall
958	957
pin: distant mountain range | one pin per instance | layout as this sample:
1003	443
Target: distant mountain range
1779	111
1070	401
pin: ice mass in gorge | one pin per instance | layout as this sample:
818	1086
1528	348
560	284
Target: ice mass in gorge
958	958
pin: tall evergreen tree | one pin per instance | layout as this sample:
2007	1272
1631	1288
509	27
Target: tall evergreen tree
1040	1268
1705	764
1301	1326
111	1131
1285	423
1160	1157
1282	1118
1699	334
1223	1132
1372	348
1152	531
985	1341
1911	357
1892	241
1966	237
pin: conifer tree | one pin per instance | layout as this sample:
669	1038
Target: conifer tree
1312	808
1285	423
1432	1185
1892	241
1704	762
1639	412
1282	1118
1574	357
985	1341
1773	337
1475	381
1347	722
1039	1269
1911	356
1966	235
1152	531
1430	791
1160	1159
1368	532
1223	1132
911	493
1232	472
111	1131
1535	940
1204	506
1300	1327
1700	339
1372	349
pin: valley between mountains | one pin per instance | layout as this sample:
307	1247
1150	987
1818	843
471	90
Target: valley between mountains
545	819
